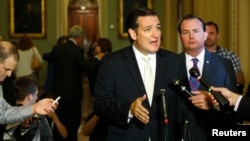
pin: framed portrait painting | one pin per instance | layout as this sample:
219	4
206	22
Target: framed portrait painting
124	7
27	17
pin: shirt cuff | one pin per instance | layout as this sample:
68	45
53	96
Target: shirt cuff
129	116
237	103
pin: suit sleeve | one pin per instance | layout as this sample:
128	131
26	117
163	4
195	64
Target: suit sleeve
243	111
106	105
9	114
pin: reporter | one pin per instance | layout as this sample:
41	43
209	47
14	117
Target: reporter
241	103
10	114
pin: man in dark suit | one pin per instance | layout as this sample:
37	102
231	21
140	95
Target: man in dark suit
69	65
213	68
120	94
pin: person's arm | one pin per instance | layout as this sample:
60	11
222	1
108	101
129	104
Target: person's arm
61	128
39	57
240	103
12	114
90	125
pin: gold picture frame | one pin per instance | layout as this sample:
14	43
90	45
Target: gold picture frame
124	7
27	17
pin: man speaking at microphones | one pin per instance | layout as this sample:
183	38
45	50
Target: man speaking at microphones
127	87
216	70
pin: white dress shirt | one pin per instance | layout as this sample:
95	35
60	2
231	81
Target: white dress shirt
200	63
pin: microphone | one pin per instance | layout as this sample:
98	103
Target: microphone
164	105
223	102
177	84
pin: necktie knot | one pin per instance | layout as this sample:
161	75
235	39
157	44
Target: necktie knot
146	59
195	61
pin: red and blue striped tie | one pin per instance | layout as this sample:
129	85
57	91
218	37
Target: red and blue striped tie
194	82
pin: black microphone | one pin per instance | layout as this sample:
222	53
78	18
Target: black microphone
177	84
164	105
223	102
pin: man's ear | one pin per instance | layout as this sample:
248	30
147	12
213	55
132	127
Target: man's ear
29	97
132	33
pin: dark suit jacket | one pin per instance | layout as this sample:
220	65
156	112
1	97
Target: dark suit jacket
69	65
248	90
218	72
119	83
243	111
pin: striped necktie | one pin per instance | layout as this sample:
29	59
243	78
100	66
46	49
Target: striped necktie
194	82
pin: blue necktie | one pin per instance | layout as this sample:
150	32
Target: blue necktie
194	82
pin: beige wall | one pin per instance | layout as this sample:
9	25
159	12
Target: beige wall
243	36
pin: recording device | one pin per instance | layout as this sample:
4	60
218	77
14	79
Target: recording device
164	105
223	102
177	84
57	99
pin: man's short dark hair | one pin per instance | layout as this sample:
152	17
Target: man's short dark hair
211	23
134	15
189	17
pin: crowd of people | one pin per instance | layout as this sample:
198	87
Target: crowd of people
131	88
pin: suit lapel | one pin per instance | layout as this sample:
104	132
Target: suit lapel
209	67
134	69
161	68
184	77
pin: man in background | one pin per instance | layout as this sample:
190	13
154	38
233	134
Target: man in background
211	44
69	65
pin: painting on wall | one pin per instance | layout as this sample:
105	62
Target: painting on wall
124	7
27	17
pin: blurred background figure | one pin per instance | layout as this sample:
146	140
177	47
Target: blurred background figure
90	49
50	68
26	49
101	47
54	120
96	127
69	65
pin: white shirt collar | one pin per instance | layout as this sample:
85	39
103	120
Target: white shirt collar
71	39
139	55
141	62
